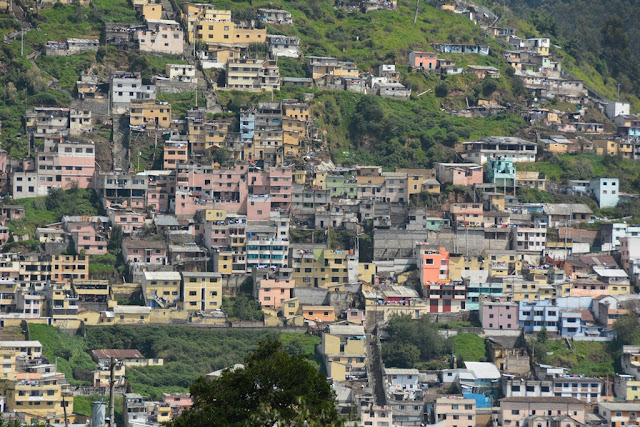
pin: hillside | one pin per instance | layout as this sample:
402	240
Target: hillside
392	133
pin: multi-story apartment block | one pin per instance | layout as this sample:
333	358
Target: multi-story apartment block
181	72
272	293
343	350
275	16
125	87
464	174
465	215
149	115
586	389
161	36
520	150
498	313
88	233
514	410
161	289
619	414
251	73
455	411
324	268
66	268
60	165
201	291
531	238
175	153
123	190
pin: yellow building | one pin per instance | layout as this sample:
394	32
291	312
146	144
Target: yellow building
290	308
149	114
528	290
605	147
299	177
102	375
131	314
65	268
367	272
343	350
7	294
226	32
60	301
37	393
91	290
151	11
161	289
322	268
201	291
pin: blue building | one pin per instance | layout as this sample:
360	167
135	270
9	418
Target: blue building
501	171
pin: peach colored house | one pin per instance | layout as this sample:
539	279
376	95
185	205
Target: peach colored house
464	174
144	251
467	214
272	292
319	314
175	153
88	233
12	212
181	401
426	60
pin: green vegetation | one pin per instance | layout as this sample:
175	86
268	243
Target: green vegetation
67	69
274	387
413	343
187	352
469	347
70	353
584	357
242	308
181	102
40	211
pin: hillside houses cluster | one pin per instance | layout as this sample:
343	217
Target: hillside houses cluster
249	204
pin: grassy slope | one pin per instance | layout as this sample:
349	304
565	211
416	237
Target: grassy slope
586	358
470	347
187	352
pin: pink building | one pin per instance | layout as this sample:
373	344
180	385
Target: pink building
426	60
161	189
467	214
272	292
12	212
144	251
464	174
498	313
88	233
129	221
356	316
180	400
199	188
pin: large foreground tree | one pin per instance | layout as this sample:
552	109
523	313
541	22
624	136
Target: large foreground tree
274	387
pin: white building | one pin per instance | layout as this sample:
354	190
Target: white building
518	149
181	72
126	86
630	256
161	36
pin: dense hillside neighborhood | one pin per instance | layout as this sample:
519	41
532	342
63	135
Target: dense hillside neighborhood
361	213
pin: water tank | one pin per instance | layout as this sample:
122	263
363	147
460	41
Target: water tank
98	411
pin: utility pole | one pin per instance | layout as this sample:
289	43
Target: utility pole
415	17
64	407
22	44
112	397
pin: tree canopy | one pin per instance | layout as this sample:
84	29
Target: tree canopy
273	387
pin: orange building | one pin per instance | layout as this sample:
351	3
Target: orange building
319	313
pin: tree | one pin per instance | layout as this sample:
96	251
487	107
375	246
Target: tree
115	239
442	90
627	329
273	387
543	336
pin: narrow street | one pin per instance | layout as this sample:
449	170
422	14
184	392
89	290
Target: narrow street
120	146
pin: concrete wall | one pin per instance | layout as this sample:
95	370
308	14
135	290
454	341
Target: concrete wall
173	86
